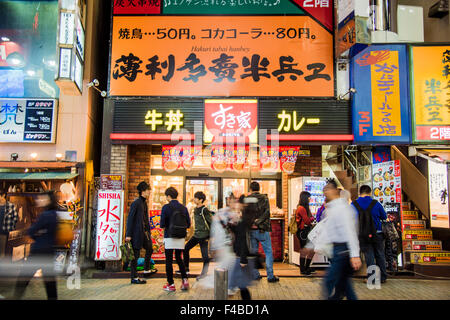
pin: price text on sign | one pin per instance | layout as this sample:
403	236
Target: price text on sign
224	56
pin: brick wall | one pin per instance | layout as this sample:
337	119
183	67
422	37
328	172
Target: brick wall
139	169
305	167
119	159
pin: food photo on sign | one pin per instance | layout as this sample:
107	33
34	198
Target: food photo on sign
219	160
288	158
387	182
269	158
189	155
171	158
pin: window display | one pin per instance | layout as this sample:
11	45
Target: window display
235	186
269	187
209	187
159	185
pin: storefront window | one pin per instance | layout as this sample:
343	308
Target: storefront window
28	63
269	187
159	185
209	187
235	186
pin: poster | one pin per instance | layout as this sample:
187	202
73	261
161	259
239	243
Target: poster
288	158
171	158
188	156
430	85
269	158
109	225
381	103
241	154
157	235
387	182
225	56
220	158
437	186
111	182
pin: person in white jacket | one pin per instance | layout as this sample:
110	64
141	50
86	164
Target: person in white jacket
341	231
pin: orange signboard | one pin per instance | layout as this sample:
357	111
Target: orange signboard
221	56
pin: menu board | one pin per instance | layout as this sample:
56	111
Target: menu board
387	186
111	182
32	121
157	235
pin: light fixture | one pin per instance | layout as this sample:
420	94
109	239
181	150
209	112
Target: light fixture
5	39
14	156
94	84
15	60
33	155
158	178
26	170
59	156
31	73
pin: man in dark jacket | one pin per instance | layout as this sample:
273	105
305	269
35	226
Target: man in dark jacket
8	220
138	232
373	252
261	228
203	219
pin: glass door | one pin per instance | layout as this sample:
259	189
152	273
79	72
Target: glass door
210	187
236	186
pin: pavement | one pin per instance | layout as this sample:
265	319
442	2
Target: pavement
289	288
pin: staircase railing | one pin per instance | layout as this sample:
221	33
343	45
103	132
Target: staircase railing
414	183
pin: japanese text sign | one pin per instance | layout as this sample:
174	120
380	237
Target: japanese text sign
23	120
231	121
137	6
438	190
381	102
221	56
430	85
288	158
171	158
111	182
387	186
109	225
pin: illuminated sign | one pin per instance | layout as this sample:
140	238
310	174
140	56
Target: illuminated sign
290	121
173	120
438	191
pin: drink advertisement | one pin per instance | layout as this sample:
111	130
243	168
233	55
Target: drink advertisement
157	235
387	186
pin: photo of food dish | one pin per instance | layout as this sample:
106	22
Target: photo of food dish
387	176
187	164
387	191
376	192
288	167
170	166
239	167
220	166
377	177
269	166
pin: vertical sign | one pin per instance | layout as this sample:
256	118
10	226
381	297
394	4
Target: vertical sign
430	85
437	186
109	225
111	182
381	102
387	186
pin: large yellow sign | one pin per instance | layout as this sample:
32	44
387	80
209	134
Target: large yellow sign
221	56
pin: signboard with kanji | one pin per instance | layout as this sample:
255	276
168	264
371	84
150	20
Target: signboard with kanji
109	225
381	112
430	86
111	182
223	56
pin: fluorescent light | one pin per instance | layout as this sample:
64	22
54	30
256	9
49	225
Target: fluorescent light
33	155
6	39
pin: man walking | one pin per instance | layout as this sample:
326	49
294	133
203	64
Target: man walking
203	219
373	248
260	229
340	229
8	220
138	232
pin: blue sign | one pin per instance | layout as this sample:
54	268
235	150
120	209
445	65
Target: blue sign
381	104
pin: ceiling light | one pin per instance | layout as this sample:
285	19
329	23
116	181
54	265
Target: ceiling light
5	39
33	155
59	156
31	73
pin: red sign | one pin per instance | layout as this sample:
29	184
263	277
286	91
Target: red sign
137	6
157	235
231	121
429	133
111	182
321	10
171	158
269	158
220	158
288	158
189	154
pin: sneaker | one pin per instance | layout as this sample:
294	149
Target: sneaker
185	284
169	287
258	277
200	277
149	273
232	292
305	273
138	281
312	271
179	272
274	279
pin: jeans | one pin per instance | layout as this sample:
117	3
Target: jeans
374	253
204	249
169	264
148	256
264	238
339	274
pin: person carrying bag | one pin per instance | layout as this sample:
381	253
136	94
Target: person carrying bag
304	226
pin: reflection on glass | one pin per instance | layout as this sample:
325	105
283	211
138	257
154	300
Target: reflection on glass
269	187
28	65
235	186
209	187
159	185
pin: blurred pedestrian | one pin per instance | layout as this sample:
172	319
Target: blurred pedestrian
346	195
203	219
259	209
42	252
241	274
373	246
8	220
304	219
175	221
138	232
341	231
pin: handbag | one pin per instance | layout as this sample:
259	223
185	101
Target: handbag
304	232
203	216
127	252
318	238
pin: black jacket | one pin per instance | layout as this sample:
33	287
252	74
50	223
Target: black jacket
137	221
241	244
262	218
166	215
43	232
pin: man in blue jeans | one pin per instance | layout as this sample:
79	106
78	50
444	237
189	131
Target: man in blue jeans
260	230
374	251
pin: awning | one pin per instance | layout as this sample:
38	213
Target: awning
37	175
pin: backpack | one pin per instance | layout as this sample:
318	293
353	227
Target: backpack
367	230
255	206
178	225
293	227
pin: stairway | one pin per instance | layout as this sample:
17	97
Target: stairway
422	253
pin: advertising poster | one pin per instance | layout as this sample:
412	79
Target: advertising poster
387	182
188	156
269	158
111	182
430	85
228	56
171	158
157	235
109	225
241	154
381	104
288	158
437	186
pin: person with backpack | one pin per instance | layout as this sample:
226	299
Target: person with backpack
203	219
175	221
8	220
371	238
259	210
304	219
138	232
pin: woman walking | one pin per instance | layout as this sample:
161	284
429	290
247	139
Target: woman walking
304	220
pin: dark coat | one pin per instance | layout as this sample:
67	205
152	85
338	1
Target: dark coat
43	232
166	215
137	221
262	220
